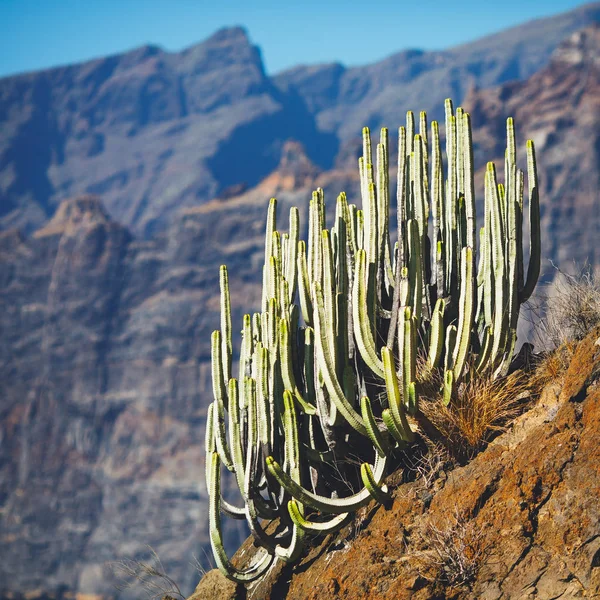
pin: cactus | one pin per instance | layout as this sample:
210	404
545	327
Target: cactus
345	314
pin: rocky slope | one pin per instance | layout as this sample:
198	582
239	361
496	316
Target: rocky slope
152	131
521	521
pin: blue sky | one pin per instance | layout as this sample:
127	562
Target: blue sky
36	34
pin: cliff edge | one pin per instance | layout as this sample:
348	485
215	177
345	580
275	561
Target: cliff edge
520	521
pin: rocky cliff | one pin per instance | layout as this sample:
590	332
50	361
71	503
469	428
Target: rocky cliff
104	378
521	521
344	100
150	131
559	108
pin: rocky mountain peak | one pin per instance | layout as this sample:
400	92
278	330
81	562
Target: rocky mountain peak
227	35
228	46
295	170
84	211
583	47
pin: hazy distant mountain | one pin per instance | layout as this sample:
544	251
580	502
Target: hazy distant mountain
152	132
343	100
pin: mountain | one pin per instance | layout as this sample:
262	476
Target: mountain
104	384
152	132
344	100
559	108
105	320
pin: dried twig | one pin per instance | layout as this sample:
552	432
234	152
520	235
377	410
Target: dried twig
150	576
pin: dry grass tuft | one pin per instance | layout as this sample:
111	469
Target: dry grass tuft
552	365
573	308
455	552
430	380
481	407
148	575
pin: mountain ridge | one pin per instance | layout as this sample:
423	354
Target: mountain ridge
153	131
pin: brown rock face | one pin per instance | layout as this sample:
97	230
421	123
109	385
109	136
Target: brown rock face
103	386
522	520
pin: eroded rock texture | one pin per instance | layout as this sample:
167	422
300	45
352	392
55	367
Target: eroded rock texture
524	513
104	383
559	108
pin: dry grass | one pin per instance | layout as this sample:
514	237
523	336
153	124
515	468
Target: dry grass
573	306
552	365
575	310
149	575
481	407
430	380
455	551
430	464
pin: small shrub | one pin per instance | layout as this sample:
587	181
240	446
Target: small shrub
148	575
552	365
428	465
573	307
457	550
454	552
481	408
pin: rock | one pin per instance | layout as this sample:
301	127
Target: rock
583	369
558	108
148	130
527	523
216	586
153	131
105	377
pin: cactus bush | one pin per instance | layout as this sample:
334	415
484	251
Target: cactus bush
328	387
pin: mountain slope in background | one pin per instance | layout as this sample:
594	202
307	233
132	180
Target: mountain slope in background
152	131
104	365
559	108
344	100
148	130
